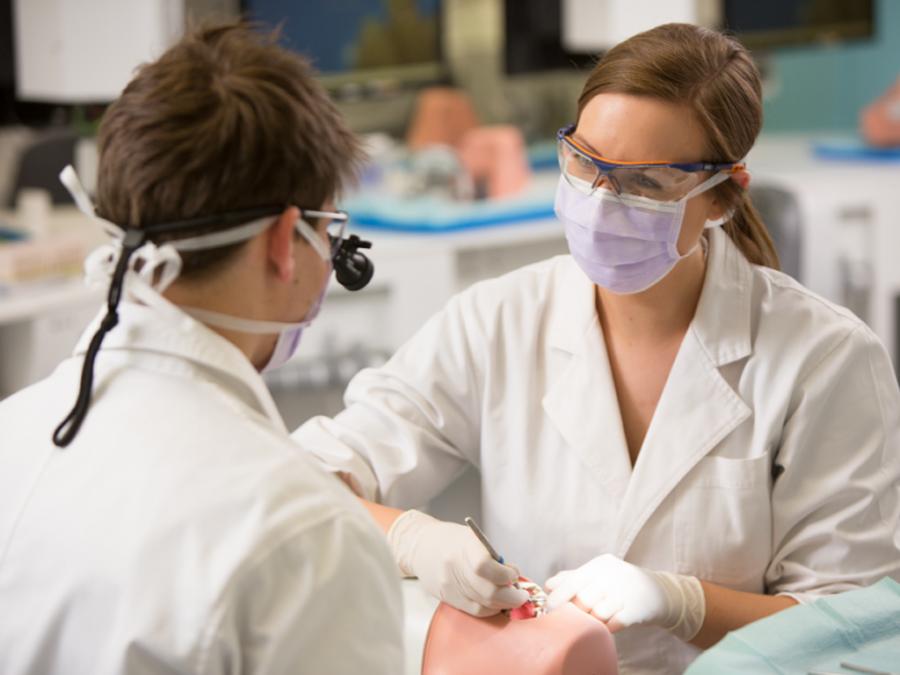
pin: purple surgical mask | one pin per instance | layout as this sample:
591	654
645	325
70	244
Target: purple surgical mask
624	243
288	333
289	338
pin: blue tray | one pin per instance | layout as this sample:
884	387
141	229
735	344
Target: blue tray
854	150
432	215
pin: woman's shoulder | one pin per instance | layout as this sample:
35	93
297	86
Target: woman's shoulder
778	296
795	321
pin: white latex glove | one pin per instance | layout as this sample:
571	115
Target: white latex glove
621	595
453	565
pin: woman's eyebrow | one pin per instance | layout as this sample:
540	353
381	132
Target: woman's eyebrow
584	143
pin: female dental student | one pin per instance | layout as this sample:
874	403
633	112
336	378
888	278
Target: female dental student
681	437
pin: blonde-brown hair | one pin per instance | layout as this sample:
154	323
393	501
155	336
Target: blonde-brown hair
224	120
714	75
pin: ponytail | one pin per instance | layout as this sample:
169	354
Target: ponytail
746	228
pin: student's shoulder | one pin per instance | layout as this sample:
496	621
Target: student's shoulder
270	502
308	587
304	522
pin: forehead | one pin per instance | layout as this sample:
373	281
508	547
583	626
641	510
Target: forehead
631	128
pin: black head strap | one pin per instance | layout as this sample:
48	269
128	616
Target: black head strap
68	428
133	239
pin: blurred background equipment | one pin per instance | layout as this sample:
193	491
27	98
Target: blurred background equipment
80	59
495	158
360	46
780	210
772	24
879	122
592	27
442	116
373	54
40	163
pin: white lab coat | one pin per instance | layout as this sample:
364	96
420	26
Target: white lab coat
513	377
181	531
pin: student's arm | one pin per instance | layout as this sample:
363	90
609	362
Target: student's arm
384	516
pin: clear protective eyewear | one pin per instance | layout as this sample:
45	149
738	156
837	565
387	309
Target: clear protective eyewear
335	226
661	181
253	221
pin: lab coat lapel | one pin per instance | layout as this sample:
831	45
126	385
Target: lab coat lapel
698	408
581	403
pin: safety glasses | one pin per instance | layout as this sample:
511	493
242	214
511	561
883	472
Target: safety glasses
586	171
237	226
335	226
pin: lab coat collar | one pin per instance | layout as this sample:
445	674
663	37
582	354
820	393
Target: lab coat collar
697	410
722	319
582	402
150	334
572	310
721	322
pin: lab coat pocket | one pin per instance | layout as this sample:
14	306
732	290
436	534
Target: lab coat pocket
723	521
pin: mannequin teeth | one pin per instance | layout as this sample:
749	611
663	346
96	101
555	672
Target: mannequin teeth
537	597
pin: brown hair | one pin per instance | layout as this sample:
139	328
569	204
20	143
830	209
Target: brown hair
716	77
224	120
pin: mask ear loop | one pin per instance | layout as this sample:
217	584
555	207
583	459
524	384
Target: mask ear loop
706	185
133	240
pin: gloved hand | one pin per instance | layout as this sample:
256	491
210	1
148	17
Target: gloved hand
621	594
453	565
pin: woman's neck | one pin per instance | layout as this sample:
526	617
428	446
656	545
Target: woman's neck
663	312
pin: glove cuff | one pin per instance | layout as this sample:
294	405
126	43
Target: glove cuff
687	604
402	538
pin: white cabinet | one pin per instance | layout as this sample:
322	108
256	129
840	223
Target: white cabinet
76	51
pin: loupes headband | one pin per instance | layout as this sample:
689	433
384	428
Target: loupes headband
354	270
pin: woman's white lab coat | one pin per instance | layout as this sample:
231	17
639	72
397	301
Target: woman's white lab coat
771	464
181	531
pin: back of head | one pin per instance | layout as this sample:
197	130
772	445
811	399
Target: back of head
715	76
224	120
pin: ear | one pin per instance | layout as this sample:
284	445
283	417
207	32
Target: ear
281	244
742	178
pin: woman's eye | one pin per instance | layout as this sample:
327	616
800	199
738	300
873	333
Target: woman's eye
647	183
